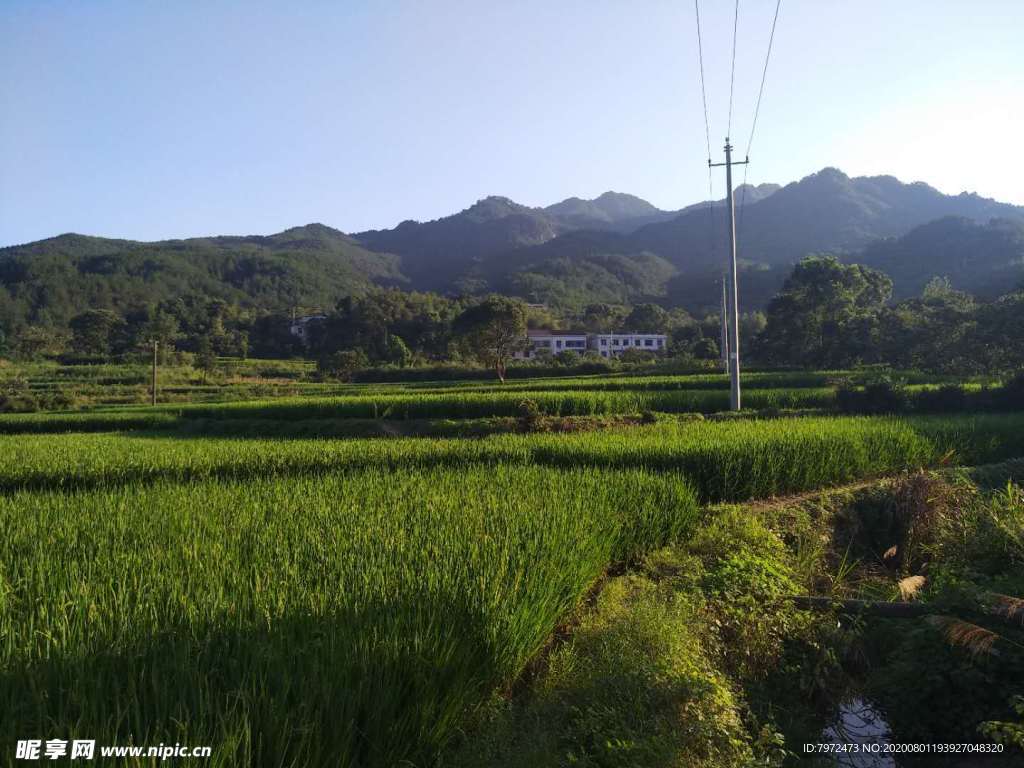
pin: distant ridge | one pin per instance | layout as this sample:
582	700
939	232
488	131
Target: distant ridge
615	247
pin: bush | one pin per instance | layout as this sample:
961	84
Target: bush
342	365
949	398
1012	392
881	395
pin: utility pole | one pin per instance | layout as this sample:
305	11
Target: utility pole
156	347
732	294
724	340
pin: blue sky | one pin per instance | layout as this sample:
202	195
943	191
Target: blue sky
163	119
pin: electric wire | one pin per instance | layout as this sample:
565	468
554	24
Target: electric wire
757	111
732	75
707	135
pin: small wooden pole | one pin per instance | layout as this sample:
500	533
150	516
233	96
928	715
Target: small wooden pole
156	347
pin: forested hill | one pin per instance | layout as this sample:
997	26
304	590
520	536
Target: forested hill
53	280
679	260
614	248
984	259
450	252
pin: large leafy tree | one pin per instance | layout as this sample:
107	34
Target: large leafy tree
97	332
827	314
492	331
646	318
930	332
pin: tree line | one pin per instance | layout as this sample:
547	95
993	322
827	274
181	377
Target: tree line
828	314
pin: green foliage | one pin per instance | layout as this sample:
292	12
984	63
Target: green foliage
1002	732
881	394
492	331
96	331
348	619
342	365
940	679
632	686
308	266
826	315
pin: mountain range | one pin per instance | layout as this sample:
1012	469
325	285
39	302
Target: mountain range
615	248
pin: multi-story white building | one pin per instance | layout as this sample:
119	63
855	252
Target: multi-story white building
605	344
614	344
553	342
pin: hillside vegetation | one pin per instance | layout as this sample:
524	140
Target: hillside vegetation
614	248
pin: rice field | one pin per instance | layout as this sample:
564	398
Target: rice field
406	406
317	602
346	619
729	460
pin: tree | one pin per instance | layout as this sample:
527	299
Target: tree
36	341
343	364
930	332
602	317
492	331
646	318
827	315
399	352
157	325
96	331
706	349
206	357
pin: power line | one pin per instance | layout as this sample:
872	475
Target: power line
732	75
757	109
703	92
764	74
707	137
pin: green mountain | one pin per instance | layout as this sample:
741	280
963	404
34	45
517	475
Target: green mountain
984	259
449	253
614	248
825	212
55	279
613	211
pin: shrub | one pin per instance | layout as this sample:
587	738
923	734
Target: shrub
880	395
949	398
1012	392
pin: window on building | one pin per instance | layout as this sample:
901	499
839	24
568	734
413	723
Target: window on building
604	342
648	342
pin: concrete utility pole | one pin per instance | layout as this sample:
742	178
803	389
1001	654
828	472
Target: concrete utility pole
156	347
732	294
723	342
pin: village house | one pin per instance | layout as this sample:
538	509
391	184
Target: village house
542	341
605	344
301	326
614	344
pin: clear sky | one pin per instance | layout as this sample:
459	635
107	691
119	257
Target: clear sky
162	119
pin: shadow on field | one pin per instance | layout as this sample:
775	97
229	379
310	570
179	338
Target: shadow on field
367	687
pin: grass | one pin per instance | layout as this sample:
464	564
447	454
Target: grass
349	619
356	602
724	461
407	406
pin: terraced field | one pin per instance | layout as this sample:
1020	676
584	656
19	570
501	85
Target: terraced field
355	602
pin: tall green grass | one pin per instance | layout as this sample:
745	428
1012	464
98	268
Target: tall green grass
348	619
728	460
448	405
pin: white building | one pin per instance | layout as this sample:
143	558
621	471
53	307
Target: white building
301	326
614	344
605	344
553	342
